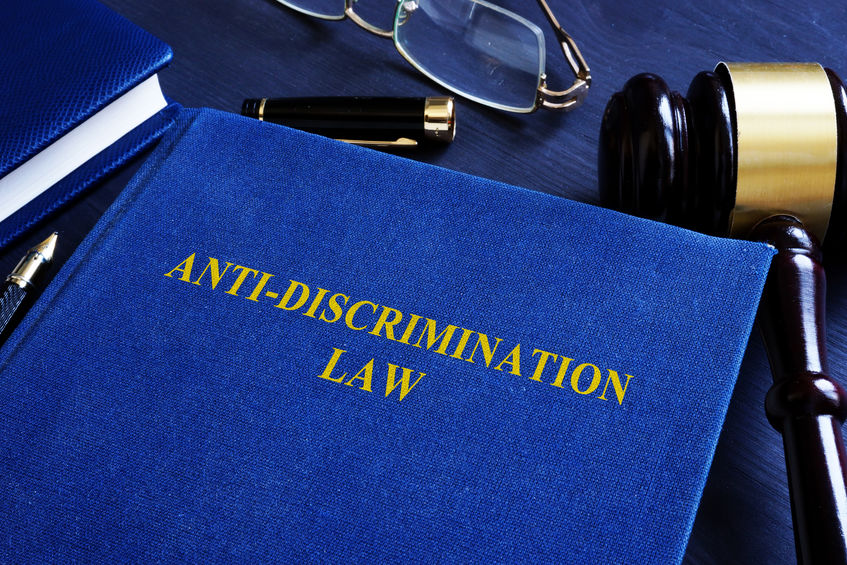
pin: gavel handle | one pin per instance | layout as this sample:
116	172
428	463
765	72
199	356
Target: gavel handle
804	403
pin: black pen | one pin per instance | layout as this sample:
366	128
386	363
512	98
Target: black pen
23	280
369	121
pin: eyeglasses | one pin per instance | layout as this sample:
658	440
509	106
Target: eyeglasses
474	48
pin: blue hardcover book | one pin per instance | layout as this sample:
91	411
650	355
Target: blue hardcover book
278	347
79	97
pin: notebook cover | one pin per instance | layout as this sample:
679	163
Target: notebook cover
62	61
478	373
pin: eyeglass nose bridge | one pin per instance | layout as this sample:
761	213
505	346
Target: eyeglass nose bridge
350	12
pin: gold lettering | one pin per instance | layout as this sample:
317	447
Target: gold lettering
595	381
542	360
383	322
563	370
410	327
348	319
386	323
316	302
335	307
487	351
184	268
254	296
240	279
616	382
292	287
365	375
214	271
336	353
513	359
431	339
391	384
463	341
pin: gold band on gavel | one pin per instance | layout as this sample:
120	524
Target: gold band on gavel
787	143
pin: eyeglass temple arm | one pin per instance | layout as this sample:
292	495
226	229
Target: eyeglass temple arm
573	96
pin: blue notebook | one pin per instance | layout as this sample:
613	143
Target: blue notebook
277	347
79	97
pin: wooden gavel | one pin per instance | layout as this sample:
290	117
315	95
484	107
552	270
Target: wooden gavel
757	151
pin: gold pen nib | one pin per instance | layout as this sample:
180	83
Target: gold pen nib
33	262
47	247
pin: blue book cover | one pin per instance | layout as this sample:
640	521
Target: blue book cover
278	347
62	63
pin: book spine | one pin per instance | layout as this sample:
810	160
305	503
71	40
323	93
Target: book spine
93	240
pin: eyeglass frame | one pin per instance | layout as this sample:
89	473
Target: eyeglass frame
546	98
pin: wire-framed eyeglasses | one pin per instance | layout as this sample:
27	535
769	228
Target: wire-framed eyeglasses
474	48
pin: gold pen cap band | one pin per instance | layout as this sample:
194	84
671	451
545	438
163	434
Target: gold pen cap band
786	143
440	118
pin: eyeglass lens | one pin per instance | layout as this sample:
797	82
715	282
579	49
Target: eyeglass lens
475	48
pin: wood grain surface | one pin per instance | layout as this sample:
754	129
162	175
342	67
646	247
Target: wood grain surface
229	50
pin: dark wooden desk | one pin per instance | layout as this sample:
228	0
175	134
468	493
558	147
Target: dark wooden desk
228	50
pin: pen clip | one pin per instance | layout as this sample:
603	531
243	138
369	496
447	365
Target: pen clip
399	142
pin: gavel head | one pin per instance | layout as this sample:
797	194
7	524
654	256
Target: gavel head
748	141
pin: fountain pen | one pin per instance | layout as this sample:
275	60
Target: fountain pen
362	120
22	282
